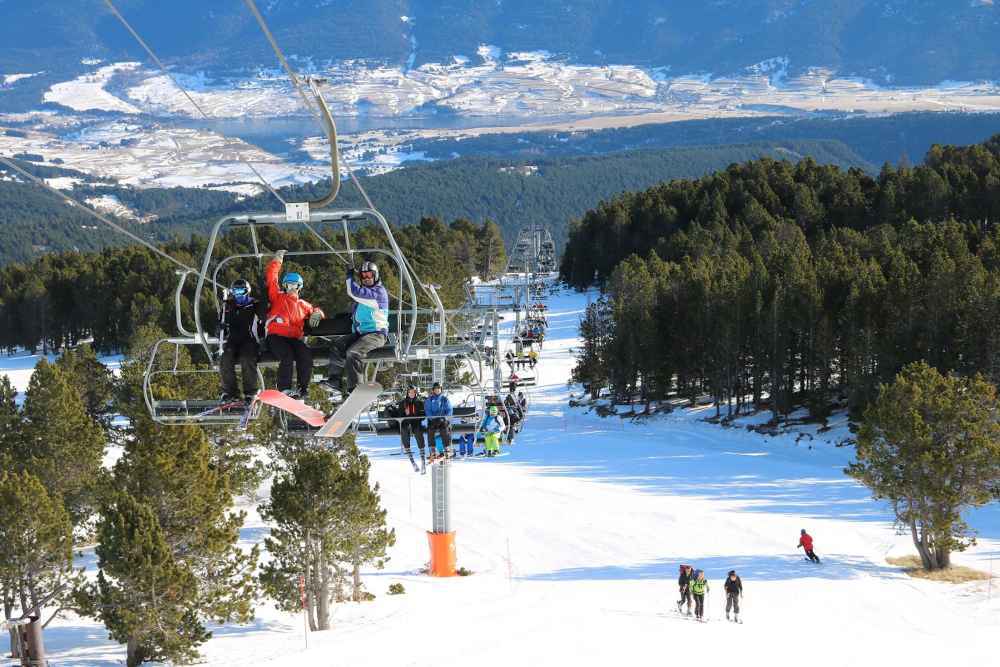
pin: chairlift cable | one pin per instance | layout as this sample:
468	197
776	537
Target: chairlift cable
281	56
252	6
41	183
159	63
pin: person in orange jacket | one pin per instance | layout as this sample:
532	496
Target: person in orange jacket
806	542
286	318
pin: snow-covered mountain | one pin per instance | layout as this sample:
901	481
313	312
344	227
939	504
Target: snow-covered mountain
892	41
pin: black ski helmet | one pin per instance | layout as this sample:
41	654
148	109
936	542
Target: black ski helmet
802	532
372	267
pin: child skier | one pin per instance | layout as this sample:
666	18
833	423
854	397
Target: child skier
734	591
699	587
806	542
684	584
492	425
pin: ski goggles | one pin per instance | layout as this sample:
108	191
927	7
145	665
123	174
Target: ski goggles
239	291
366	274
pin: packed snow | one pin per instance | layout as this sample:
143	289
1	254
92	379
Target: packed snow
574	541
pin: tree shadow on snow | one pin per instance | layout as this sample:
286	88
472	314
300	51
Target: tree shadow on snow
82	645
750	568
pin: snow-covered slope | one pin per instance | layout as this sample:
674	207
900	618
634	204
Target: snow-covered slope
575	537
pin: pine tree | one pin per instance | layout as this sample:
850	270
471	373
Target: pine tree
146	597
366	537
91	379
10	424
930	445
171	469
60	442
326	519
36	546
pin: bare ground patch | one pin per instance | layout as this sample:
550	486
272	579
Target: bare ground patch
956	574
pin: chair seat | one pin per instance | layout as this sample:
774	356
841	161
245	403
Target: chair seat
321	355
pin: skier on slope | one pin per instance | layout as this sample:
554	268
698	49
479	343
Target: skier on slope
410	412
699	587
806	542
492	425
240	315
369	327
734	591
286	319
684	584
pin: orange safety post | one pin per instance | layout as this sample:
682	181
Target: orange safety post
443	557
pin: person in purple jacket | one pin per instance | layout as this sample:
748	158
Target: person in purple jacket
370	327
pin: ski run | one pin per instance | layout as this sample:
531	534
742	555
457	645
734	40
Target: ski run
574	540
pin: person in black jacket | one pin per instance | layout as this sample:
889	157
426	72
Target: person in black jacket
734	591
410	412
241	313
683	583
514	417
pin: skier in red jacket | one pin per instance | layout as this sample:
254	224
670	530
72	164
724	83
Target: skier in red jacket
806	542
286	319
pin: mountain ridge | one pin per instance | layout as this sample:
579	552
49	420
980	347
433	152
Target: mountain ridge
897	42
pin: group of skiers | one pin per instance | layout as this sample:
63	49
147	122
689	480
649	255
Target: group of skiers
280	324
411	411
694	586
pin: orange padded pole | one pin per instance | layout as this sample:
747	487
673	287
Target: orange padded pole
443	557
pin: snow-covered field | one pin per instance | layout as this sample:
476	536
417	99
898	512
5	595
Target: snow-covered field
151	155
537	90
575	537
534	83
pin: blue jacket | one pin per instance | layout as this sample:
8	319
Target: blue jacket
370	311
491	424
437	406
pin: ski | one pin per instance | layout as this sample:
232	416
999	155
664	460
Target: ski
220	408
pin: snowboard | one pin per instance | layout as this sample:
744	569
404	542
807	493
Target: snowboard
306	413
362	396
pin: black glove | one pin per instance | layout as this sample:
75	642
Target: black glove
350	272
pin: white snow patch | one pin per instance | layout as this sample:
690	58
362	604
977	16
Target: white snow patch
63	182
488	52
111	204
10	79
87	92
